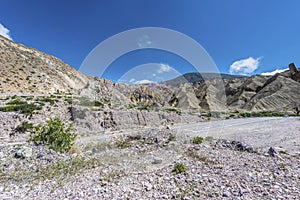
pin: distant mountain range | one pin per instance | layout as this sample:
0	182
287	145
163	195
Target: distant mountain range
198	77
27	70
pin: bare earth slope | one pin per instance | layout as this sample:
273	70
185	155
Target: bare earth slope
27	70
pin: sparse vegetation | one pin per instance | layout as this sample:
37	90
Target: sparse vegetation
197	140
20	106
112	176
85	101
123	143
25	126
55	135
194	155
48	99
209	138
179	168
69	167
172	138
60	169
172	110
144	107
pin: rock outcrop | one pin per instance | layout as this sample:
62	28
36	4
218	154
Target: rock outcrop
295	74
95	121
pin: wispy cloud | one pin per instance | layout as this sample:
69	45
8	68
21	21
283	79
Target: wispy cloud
144	41
164	68
131	80
4	32
245	66
274	72
143	81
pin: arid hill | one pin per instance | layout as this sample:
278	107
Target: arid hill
27	70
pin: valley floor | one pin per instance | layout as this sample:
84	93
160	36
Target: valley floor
165	163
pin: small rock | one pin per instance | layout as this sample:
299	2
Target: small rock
40	155
226	194
242	146
157	161
24	152
273	151
148	186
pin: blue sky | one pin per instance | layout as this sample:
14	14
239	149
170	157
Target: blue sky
242	37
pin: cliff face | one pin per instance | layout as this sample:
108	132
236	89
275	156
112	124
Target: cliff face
27	70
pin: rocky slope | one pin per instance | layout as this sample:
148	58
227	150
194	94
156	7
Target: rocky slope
26	70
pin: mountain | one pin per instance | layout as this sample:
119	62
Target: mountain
27	70
198	77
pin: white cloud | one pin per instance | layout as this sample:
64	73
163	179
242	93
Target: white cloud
274	72
143	81
131	80
4	32
164	68
245	66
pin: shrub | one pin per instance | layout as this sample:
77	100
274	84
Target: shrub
172	138
25	126
197	140
179	168
55	135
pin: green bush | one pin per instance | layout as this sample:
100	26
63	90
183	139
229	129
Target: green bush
55	135
25	126
197	140
179	168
